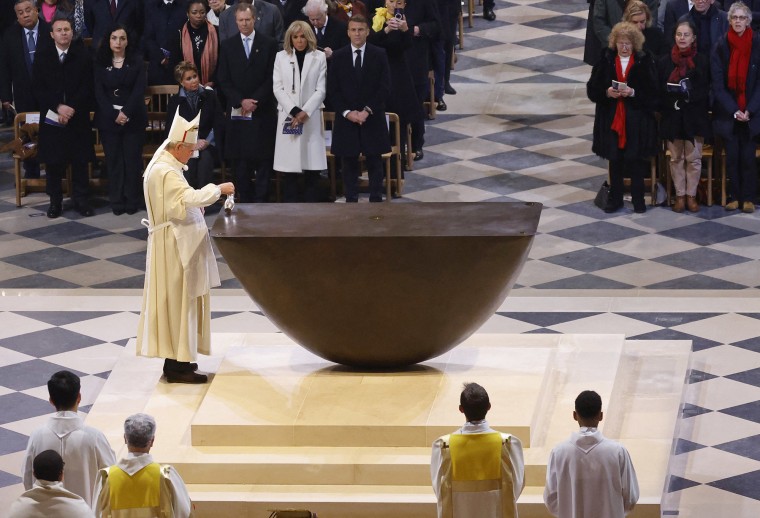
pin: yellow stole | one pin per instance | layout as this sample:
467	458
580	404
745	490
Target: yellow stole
141	490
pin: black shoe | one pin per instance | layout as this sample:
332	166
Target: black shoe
441	106
132	210
489	15
173	366
118	211
419	155
639	208
448	89
84	209
54	210
185	377
613	206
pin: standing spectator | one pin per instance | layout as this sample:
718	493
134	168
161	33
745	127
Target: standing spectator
121	117
290	10
625	132
477	471
331	33
137	485
191	100
74	12
163	19
674	10
216	8
358	85
48	498
685	122
180	266
734	64
63	84
299	81
711	22
393	34
102	15
246	64
425	24
607	13
637	13
443	50
268	21
753	6
592	48
26	39
590	475
197	43
84	449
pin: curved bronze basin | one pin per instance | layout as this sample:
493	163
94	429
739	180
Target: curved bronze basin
377	285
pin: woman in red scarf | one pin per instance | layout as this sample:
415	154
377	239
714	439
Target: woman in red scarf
623	86
685	122
198	42
736	108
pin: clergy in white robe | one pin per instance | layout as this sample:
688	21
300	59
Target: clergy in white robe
49	499
84	449
180	264
590	476
137	486
476	471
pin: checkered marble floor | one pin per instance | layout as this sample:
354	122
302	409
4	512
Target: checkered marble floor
519	129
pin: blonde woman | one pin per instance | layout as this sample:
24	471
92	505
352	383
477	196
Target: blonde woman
299	81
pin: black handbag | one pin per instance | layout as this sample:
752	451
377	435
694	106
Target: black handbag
602	196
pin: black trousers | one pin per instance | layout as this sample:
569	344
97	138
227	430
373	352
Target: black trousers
350	172
244	174
79	179
311	182
636	170
418	128
124	165
741	168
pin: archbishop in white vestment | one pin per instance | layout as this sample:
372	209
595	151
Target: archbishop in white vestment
47	499
84	450
479	495
590	476
180	265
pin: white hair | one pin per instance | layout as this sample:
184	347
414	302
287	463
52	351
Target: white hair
313	5
139	429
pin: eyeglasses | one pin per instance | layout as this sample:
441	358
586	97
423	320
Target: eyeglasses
624	45
739	17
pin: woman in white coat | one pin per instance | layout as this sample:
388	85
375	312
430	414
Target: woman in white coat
300	72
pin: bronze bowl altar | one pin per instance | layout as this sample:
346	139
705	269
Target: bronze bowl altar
377	285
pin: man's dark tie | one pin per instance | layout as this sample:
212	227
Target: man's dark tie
113	8
32	46
320	36
358	62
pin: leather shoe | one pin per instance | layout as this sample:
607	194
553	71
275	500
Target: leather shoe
692	204
84	209
639	208
419	155
680	204
489	15
748	207
732	205
54	210
133	210
441	106
185	377
448	89
118	211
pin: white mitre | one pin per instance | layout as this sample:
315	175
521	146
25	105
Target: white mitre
184	131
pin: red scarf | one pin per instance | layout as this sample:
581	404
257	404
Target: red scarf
208	56
738	65
618	123
683	61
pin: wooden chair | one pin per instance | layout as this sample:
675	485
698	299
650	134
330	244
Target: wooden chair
328	119
708	152
430	106
24	185
157	97
460	28
155	131
652	180
470	12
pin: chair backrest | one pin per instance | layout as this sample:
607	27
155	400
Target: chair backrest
157	97
394	128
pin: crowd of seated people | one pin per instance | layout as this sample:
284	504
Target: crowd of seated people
68	58
697	81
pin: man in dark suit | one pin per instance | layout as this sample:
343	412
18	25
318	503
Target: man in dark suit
268	21
711	22
291	10
359	85
246	64
162	21
63	85
22	42
331	33
674	9
101	16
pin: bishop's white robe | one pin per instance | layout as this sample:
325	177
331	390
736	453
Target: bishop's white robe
481	504
180	268
84	450
174	498
590	476
49	499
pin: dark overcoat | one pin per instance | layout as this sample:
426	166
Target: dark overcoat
123	87
641	129
692	115
242	77
212	117
724	101
424	14
69	83
347	91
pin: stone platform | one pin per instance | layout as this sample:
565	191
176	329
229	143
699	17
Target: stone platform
279	427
